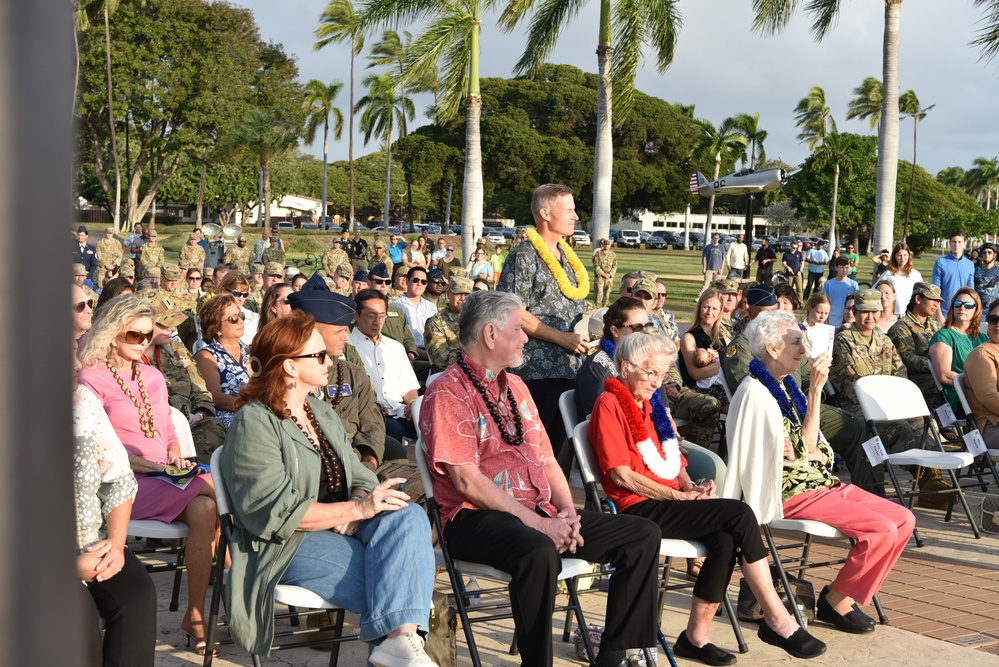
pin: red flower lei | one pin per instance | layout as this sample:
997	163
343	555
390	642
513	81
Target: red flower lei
666	461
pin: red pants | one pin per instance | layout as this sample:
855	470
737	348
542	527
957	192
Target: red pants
880	527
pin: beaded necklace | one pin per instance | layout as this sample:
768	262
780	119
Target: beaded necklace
145	407
760	372
660	415
517	438
331	462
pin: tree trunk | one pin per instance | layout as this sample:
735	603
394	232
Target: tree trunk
111	127
326	150
912	178
201	188
472	190
711	207
388	174
884	219
832	220
265	170
603	158
350	132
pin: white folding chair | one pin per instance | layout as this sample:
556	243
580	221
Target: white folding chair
161	530
295	597
572	568
885	398
960	423
989	460
668	548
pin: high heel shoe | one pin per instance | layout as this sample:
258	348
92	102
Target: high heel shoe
200	647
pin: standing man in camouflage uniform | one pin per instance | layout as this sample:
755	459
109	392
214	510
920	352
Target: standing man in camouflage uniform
151	255
441	332
240	254
186	388
110	254
911	336
334	257
604	268
192	255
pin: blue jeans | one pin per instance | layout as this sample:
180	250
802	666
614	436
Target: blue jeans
384	572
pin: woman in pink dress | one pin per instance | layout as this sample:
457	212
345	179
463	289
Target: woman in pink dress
134	396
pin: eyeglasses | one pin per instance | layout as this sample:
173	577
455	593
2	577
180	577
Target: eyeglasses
418	281
319	356
652	376
137	337
83	305
638	326
239	295
379	281
992	320
967	305
233	319
374	316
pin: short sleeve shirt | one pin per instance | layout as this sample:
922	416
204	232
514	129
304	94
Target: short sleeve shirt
458	429
527	276
714	256
817	255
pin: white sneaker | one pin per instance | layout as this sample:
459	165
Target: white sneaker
401	651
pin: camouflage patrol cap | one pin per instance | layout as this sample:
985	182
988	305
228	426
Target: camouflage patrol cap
172	272
605	242
460	285
726	286
127	269
240	238
329	283
274	269
209	271
152	232
109	229
378	244
867	300
648	275
192	237
480	242
644	285
168	311
151	272
927	291
79	270
345	270
257	267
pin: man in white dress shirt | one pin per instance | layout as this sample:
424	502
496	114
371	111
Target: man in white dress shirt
386	363
418	310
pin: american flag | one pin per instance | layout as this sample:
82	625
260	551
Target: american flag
693	184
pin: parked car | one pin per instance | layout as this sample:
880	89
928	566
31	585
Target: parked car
284	224
659	240
310	225
582	238
493	234
509	232
629	238
696	240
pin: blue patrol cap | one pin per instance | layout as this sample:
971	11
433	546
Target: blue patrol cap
378	271
761	295
327	307
315	283
435	274
361	276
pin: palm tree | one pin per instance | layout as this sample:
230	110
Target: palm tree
866	105
814	118
319	98
908	104
391	53
983	178
632	25
988	35
261	138
450	44
750	126
835	150
339	24
381	110
729	139
774	15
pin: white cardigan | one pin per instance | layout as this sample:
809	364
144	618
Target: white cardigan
755	450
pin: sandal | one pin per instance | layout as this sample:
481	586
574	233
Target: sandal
694	568
200	645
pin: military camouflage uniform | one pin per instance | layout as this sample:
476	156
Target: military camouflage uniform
109	251
151	256
254	300
441	336
273	255
855	356
912	340
241	257
384	259
333	258
604	262
192	256
845	431
91	294
188	393
700	411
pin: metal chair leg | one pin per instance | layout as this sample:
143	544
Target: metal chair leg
798	616
727	603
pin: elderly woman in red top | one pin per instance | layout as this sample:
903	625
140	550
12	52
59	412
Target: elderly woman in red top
644	474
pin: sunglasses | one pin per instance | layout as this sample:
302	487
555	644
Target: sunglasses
661	295
319	356
439	282
239	295
235	318
137	337
82	305
992	320
635	328
418	281
967	305
379	281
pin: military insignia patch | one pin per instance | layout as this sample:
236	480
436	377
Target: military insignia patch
332	391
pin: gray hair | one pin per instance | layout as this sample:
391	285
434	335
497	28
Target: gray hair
641	345
767	329
485	307
545	195
110	321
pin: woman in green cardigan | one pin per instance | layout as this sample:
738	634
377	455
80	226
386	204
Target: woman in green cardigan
307	513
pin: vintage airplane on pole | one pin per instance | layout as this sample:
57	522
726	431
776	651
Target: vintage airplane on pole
745	182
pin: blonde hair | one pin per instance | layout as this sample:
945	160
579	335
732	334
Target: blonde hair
110	322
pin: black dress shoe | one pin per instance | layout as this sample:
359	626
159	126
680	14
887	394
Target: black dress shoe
709	654
855	622
800	644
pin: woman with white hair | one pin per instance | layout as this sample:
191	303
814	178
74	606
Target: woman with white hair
780	464
644	473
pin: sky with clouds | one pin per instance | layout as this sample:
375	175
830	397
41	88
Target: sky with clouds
723	68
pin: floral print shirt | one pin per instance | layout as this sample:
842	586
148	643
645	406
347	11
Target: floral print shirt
232	374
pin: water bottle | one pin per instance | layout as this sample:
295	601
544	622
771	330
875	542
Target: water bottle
473	589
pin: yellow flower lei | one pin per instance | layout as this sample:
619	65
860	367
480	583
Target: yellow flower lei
574	293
